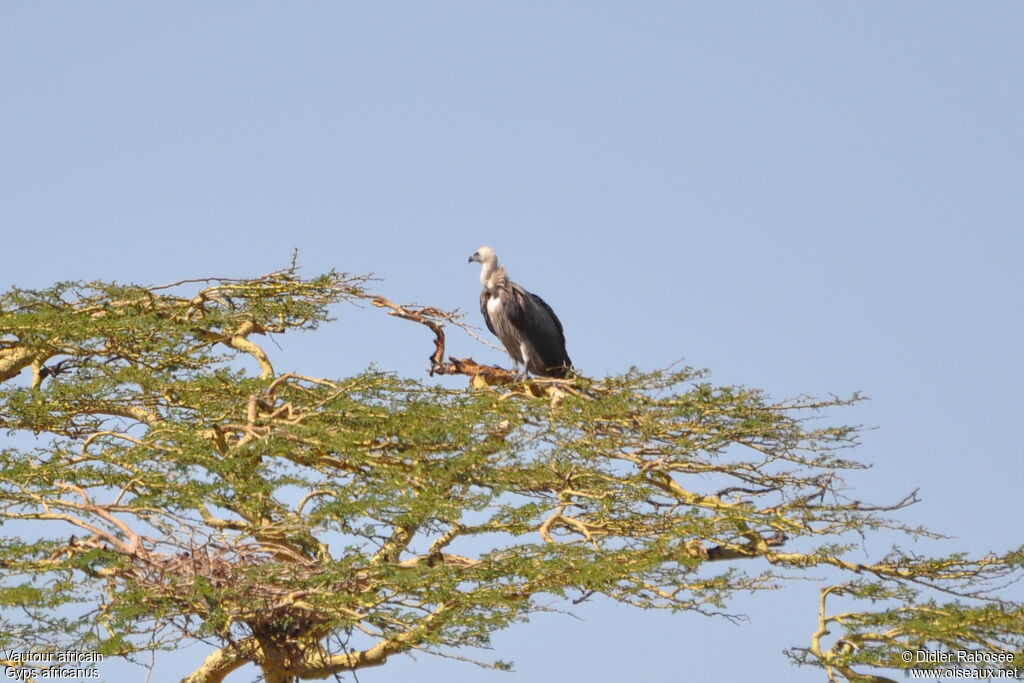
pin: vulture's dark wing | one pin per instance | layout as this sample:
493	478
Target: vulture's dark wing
541	327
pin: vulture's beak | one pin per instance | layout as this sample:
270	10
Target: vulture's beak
472	258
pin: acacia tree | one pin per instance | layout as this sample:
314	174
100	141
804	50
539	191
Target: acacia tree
314	526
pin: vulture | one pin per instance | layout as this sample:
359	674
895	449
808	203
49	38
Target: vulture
525	324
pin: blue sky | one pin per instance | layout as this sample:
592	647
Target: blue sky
804	197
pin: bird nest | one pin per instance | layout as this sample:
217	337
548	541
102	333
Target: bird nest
249	586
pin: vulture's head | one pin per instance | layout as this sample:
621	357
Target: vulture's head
483	255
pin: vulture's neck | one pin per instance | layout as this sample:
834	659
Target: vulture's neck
492	276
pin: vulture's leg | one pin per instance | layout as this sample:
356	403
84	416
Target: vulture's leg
524	351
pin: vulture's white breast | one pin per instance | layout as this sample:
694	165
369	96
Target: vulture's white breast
493	306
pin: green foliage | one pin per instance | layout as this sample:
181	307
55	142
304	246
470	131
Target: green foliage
319	525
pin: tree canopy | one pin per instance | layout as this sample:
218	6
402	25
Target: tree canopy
165	482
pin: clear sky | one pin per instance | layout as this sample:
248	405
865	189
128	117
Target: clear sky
804	197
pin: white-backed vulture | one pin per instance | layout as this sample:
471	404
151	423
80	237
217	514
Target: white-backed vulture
525	324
